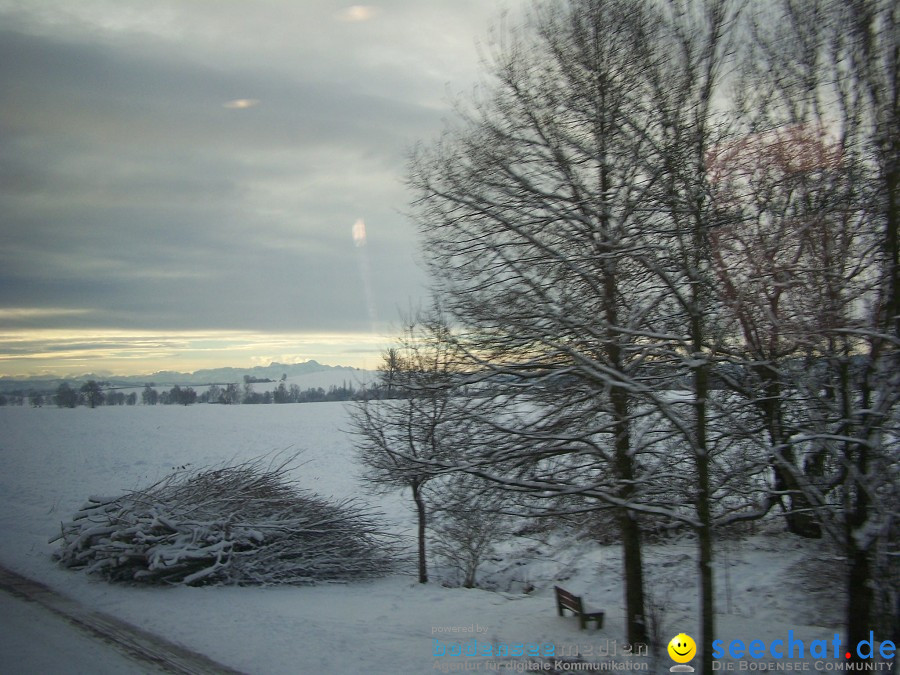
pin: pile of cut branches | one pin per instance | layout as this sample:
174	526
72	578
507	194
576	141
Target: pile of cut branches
240	524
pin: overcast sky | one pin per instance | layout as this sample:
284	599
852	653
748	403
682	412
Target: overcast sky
195	183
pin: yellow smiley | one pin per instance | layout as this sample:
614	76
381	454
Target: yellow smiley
682	648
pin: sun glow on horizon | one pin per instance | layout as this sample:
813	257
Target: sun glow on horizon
117	352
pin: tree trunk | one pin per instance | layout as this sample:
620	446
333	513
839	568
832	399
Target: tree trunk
860	600
704	515
421	513
892	242
798	515
859	597
634	578
635	617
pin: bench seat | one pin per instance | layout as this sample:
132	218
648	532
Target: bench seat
566	600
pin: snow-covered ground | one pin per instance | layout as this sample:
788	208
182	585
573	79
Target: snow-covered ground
52	459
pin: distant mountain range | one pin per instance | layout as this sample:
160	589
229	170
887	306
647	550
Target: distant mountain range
273	371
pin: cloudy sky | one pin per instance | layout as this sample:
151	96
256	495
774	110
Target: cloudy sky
199	183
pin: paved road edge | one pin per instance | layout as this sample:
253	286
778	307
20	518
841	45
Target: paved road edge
135	642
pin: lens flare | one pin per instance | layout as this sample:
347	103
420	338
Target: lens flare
359	241
357	13
241	103
359	233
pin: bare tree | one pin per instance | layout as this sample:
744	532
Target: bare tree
833	67
149	395
93	393
466	525
65	396
690	56
607	223
231	394
536	215
773	254
567	225
398	435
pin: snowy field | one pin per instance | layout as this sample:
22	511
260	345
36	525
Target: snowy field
52	459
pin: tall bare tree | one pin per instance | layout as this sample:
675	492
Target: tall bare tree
833	68
773	254
540	213
697	38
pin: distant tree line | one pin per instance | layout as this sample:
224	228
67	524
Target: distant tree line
93	393
228	394
232	394
13	398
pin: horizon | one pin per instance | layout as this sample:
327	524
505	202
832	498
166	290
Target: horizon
196	353
113	376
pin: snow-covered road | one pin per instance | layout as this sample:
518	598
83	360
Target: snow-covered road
43	631
34	640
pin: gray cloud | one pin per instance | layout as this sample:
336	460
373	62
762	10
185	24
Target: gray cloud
134	198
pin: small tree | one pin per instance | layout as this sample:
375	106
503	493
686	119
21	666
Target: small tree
399	436
282	394
149	396
93	393
466	527
65	396
231	395
212	395
185	396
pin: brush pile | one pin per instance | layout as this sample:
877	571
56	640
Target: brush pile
242	524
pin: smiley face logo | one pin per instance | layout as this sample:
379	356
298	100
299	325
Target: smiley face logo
682	648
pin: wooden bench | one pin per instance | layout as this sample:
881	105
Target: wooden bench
572	602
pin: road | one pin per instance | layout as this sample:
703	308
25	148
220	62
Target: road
42	631
35	640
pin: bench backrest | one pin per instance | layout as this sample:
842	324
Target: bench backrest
568	600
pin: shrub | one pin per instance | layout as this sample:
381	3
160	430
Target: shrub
466	527
240	524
